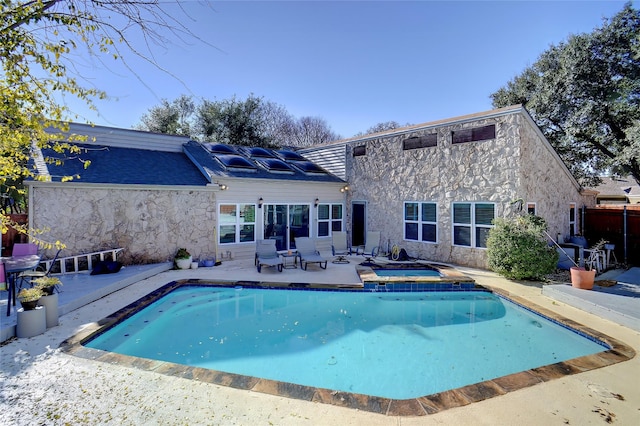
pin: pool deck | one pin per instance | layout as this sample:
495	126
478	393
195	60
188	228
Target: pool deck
77	390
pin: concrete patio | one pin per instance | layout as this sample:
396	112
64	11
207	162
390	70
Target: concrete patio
68	389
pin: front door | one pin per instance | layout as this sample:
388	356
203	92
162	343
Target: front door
284	222
358	223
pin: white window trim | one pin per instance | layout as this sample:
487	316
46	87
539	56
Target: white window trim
535	207
330	220
238	224
472	225
572	223
419	222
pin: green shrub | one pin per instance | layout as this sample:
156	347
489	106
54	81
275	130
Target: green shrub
517	248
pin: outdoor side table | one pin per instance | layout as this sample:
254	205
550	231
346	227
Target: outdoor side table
289	260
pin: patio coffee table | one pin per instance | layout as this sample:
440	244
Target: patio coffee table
287	262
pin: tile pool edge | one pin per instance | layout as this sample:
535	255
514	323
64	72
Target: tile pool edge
448	274
419	406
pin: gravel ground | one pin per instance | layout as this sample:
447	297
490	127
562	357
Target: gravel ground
41	385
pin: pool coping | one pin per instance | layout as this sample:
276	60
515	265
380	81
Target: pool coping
420	406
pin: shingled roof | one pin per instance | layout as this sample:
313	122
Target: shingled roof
118	165
624	188
131	157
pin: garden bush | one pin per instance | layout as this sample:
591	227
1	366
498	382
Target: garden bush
517	248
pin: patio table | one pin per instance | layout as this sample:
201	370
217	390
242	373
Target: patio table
290	260
12	267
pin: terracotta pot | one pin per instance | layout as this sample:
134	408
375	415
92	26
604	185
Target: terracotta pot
581	278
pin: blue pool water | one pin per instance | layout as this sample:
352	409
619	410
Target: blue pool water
394	345
407	273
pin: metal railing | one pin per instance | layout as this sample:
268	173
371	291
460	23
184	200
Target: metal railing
80	262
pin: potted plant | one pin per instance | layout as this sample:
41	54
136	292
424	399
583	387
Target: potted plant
582	278
182	259
29	298
47	284
49	299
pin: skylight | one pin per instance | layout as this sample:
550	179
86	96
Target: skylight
290	155
235	162
274	165
308	167
258	152
220	148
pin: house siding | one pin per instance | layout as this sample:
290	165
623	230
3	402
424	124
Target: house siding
332	159
280	192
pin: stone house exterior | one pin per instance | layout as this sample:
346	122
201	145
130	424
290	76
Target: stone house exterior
434	188
151	194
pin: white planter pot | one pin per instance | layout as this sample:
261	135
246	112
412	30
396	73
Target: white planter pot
51	303
31	323
183	263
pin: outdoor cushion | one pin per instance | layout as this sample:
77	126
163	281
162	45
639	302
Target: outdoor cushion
106	267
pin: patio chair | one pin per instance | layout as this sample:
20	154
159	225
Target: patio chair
340	247
372	246
29	276
24	249
307	253
267	255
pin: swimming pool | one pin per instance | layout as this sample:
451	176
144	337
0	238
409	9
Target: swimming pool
385	345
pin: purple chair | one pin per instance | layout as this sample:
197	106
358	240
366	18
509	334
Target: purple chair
24	249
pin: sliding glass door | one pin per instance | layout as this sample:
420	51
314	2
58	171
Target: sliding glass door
284	222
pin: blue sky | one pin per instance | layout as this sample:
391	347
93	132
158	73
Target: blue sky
354	63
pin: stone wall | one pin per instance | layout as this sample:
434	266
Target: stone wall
149	224
546	184
498	170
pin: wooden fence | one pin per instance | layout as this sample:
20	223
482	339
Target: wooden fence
620	225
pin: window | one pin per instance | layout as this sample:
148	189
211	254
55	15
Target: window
359	150
236	223
475	134
420	222
329	219
416	142
572	219
471	223
531	208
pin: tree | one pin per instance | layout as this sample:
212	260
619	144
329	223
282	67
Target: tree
39	41
312	130
172	118
278	124
584	94
382	127
232	121
250	122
